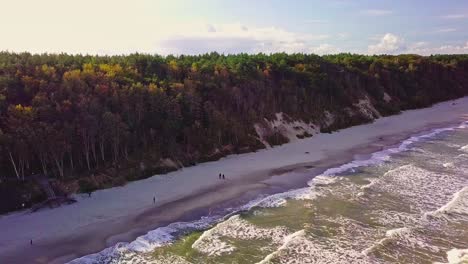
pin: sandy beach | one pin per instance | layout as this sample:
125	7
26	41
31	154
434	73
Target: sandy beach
124	213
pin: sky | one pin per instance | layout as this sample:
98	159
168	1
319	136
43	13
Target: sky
233	26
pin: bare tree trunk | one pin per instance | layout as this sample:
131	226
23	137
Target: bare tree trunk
21	168
43	163
14	165
101	144
87	159
93	151
116	152
72	165
126	152
59	164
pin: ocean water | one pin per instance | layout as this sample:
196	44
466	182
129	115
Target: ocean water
405	204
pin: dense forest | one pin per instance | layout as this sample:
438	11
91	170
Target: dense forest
89	122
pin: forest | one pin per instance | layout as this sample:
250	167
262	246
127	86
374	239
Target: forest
89	122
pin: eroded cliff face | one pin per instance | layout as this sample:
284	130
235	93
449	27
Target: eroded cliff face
282	128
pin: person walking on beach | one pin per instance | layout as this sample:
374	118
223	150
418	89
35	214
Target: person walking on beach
223	176
220	176
30	242
154	199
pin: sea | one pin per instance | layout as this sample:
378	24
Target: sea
405	204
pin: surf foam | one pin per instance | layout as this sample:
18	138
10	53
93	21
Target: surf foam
384	155
146	243
211	241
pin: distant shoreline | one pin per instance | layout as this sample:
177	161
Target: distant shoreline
124	213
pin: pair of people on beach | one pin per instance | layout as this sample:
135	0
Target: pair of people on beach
221	176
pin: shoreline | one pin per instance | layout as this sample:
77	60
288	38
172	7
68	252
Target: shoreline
261	177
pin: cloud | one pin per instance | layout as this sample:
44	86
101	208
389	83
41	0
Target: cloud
377	12
342	36
455	16
418	45
444	49
445	30
236	38
323	49
388	44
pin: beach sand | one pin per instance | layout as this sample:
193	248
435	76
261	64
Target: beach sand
124	213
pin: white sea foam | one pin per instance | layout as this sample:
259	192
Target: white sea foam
322	180
390	234
288	239
211	244
375	181
447	164
211	241
371	183
404	236
165	235
384	155
300	248
410	238
146	243
422	189
391	218
457	256
464	148
457	205
280	199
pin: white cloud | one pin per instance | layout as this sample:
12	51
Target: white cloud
455	16
388	44
445	30
391	44
444	49
418	45
235	38
377	12
323	49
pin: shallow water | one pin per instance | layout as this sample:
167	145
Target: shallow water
408	204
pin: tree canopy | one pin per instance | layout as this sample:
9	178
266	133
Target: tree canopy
69	116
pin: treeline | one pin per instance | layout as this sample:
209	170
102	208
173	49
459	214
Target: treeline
68	116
